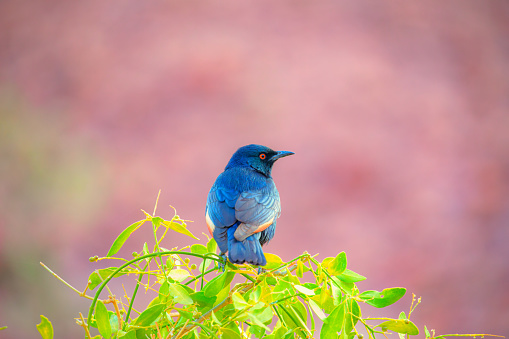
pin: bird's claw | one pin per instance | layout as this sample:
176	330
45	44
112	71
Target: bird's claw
222	265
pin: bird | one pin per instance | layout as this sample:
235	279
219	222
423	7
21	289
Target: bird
243	205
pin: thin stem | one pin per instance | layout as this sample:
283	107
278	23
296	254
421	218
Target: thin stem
131	302
82	294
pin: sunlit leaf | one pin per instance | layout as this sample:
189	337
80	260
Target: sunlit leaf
304	290
238	301
350	276
98	276
264	313
121	239
150	315
382	299
426	332
258	322
333	323
102	320
180	294
215	285
316	309
45	328
179	274
273	261
228	333
338	265
403	326
211	246
326	262
198	249
180	228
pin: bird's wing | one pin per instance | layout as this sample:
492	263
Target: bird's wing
256	210
220	210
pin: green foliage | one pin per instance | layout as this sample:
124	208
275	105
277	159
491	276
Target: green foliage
303	297
45	328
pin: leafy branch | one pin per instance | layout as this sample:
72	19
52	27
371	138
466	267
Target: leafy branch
194	300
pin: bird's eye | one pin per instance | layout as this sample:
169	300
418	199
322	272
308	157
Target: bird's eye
262	156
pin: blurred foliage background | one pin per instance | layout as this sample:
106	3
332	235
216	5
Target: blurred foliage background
397	112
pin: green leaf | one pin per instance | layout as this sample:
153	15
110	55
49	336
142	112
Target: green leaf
293	320
214	318
180	294
382	299
217	284
164	292
273	261
102	319
301	311
327	261
300	269
338	265
228	333
199	249
121	239
203	301
318	311
350	276
180	228
333	323
426	332
263	313
258	322
304	290
128	335
179	274
148	316
45	328
98	276
403	326
352	315
211	246
238	301
113	321
254	295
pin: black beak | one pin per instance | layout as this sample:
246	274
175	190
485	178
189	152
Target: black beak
281	154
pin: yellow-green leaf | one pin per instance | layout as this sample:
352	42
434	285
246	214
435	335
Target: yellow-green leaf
180	294
273	261
180	228
121	239
382	299
102	319
238	301
45	328
148	316
318	311
338	265
304	290
198	249
179	274
211	246
403	326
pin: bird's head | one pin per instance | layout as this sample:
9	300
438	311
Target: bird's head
258	157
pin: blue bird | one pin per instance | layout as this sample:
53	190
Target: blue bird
243	204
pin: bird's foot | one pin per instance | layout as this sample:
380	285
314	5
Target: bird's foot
261	270
222	265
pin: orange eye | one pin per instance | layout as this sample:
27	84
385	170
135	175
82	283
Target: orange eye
263	156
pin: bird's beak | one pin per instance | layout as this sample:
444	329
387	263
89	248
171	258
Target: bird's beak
281	154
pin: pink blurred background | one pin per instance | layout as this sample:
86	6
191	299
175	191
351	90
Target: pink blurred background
397	112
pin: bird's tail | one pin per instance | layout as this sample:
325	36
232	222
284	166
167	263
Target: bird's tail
249	250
